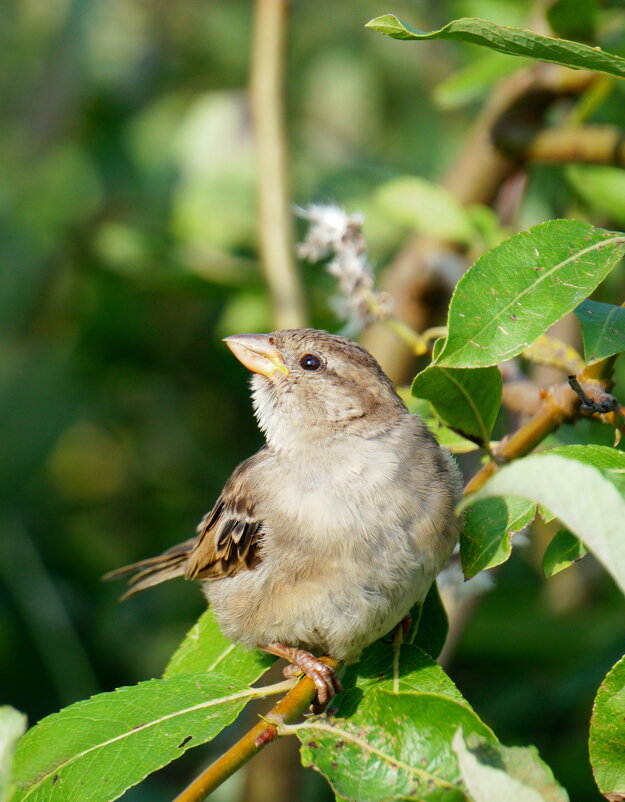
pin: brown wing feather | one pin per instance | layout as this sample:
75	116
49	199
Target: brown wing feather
230	535
155	570
228	541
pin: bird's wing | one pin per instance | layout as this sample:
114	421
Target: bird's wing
229	536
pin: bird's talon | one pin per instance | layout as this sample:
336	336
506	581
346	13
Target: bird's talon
303	662
292	671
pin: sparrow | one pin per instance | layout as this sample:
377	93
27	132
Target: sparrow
322	541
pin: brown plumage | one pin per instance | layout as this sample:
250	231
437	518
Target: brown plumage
323	540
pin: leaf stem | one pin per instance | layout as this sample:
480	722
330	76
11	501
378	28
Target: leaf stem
285	711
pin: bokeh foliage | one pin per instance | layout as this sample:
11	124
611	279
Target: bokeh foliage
129	247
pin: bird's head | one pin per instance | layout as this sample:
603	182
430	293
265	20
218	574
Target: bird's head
309	385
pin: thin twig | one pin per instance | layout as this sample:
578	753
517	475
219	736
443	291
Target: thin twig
286	711
591	405
267	92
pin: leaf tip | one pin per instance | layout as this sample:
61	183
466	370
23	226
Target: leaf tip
388	24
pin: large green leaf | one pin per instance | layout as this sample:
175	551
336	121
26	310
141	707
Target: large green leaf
512	294
429	626
467	400
97	748
583	486
205	648
508	774
603	329
607	734
12	725
514	41
386	745
488	527
563	550
400	668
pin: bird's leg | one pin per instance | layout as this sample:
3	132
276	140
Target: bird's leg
303	662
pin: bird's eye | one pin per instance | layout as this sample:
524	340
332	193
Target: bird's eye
310	362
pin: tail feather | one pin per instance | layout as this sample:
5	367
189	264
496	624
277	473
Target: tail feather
154	570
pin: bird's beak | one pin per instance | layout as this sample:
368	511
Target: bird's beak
257	352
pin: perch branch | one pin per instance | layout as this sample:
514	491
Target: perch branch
285	711
267	91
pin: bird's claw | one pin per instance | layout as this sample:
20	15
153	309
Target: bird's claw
324	677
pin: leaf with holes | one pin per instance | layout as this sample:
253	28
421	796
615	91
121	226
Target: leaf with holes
465	400
514	41
603	329
205	648
512	294
607	734
387	745
97	748
488	527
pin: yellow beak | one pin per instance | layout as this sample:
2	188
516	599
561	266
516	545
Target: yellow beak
257	352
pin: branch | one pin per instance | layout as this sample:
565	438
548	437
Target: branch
276	236
559	404
286	711
419	277
592	144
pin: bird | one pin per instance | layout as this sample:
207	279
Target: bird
322	541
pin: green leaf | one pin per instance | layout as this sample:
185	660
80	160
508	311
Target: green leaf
508	774
388	745
429	624
607	734
603	329
563	550
514	41
12	726
97	748
587	496
426	206
489	524
443	434
206	649
401	668
514	293
466	400
601	188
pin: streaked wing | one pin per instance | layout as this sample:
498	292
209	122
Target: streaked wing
230	535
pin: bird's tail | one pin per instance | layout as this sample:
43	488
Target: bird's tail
146	573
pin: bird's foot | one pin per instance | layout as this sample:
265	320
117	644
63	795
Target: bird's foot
303	662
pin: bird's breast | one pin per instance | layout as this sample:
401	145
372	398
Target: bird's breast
339	493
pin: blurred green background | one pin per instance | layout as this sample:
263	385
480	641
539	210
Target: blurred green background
128	248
